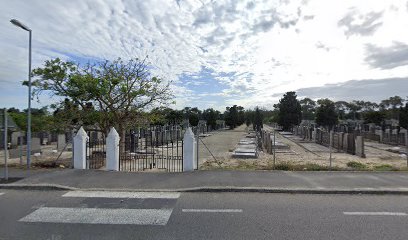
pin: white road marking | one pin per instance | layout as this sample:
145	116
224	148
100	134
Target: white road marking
213	210
376	213
1	193
99	216
108	194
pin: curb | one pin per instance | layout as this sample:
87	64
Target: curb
45	187
208	189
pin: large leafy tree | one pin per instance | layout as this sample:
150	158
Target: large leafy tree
354	109
211	116
376	117
341	109
326	114
391	106
290	111
308	108
193	115
118	90
40	118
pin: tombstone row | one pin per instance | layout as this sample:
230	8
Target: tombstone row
348	142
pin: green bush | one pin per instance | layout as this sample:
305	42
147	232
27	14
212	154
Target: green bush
356	165
283	166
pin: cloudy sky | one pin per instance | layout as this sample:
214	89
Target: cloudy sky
219	53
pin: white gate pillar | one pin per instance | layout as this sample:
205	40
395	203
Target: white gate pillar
80	140
112	150
189	151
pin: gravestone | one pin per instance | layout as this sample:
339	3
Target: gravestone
360	146
345	142
61	142
14	138
35	145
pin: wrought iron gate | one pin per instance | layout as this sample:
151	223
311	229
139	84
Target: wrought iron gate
155	147
95	153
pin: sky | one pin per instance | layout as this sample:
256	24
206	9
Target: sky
219	53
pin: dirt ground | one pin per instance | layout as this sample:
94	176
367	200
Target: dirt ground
220	144
49	157
378	156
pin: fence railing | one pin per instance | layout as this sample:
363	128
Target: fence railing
96	153
152	148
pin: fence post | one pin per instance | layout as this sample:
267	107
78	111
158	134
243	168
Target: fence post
5	128
80	141
112	150
406	145
197	143
189	153
330	148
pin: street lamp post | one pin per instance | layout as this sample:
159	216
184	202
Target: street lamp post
19	24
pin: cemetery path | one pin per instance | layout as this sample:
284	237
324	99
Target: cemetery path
220	143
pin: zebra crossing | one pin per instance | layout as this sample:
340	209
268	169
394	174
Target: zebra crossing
136	214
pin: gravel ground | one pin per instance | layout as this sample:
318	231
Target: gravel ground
48	155
221	144
300	153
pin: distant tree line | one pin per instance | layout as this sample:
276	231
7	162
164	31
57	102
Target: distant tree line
290	111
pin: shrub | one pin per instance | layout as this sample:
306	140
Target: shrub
283	166
356	165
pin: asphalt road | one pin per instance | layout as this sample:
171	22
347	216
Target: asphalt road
57	215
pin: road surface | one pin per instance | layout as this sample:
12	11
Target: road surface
57	215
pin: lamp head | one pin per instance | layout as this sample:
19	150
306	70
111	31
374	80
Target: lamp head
19	24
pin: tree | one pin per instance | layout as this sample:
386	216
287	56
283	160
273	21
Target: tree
403	118
308	108
341	108
211	116
118	90
174	116
353	108
290	111
258	125
192	114
376	117
326	113
232	116
391	106
40	118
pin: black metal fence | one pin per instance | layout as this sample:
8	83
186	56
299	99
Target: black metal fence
95	153
155	147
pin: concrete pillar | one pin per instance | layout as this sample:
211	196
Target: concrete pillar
112	150
189	151
80	140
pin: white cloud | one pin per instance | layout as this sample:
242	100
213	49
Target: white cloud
255	48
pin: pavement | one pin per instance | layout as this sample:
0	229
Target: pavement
213	181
